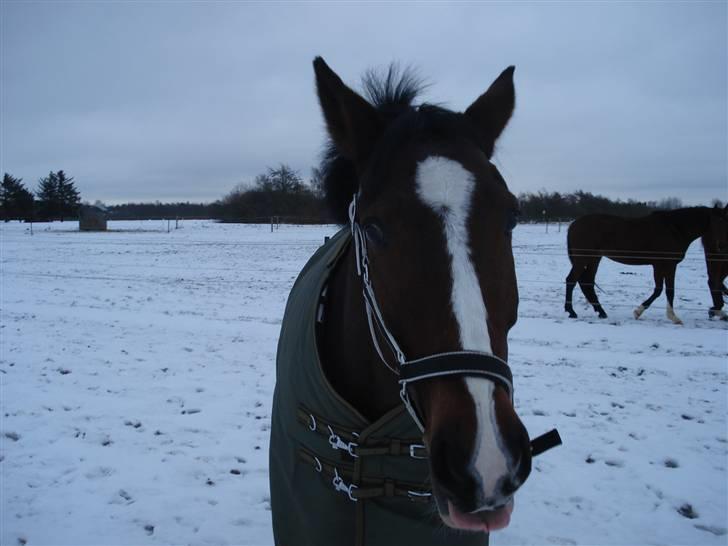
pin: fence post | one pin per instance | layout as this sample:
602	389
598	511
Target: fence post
168	221
176	222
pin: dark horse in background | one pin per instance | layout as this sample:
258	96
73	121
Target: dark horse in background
716	261
659	239
436	217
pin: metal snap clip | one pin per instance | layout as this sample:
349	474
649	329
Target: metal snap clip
340	485
336	442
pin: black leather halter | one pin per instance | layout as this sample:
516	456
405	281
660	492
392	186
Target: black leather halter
464	363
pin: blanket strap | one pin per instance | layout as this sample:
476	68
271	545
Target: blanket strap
341	478
346	441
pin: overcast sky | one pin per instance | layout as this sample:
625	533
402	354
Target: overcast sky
144	101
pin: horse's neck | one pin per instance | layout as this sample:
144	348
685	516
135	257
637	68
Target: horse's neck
691	223
349	359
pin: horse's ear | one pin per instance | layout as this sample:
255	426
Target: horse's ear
353	124
493	109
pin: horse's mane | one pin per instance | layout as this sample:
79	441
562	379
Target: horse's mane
683	221
392	93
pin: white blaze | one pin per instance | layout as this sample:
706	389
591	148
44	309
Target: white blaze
446	187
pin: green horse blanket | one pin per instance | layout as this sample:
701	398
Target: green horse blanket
337	479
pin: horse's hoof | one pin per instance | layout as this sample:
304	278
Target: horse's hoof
602	315
638	311
672	316
573	315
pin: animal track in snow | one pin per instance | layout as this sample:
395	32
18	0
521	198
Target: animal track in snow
670	463
686	510
614	462
713	529
100	472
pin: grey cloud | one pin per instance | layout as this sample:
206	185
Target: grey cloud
144	101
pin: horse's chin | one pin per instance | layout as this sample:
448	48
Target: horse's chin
484	521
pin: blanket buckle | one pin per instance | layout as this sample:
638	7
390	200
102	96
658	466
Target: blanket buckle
339	485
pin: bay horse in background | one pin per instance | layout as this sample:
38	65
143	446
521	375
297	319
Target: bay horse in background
716	261
659	239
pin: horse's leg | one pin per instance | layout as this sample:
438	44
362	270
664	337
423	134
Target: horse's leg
659	276
586	283
717	288
577	269
670	293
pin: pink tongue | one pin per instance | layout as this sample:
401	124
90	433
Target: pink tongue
481	521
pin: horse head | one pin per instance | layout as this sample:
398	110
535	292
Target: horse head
436	218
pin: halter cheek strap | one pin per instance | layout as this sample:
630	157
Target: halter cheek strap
463	363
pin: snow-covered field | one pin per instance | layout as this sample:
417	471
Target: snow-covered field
137	369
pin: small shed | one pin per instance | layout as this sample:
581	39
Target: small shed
92	218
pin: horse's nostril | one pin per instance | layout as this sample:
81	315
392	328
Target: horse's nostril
451	471
508	487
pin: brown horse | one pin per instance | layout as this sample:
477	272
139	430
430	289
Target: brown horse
431	219
659	239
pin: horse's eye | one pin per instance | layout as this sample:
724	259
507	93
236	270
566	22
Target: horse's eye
374	233
512	220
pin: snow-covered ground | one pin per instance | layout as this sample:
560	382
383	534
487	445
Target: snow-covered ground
137	369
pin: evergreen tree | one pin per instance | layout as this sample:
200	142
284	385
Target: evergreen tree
48	194
58	196
16	202
69	196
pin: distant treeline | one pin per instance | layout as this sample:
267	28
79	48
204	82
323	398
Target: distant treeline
552	206
163	211
281	195
260	205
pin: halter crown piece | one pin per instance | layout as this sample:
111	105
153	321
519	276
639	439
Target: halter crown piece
436	365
